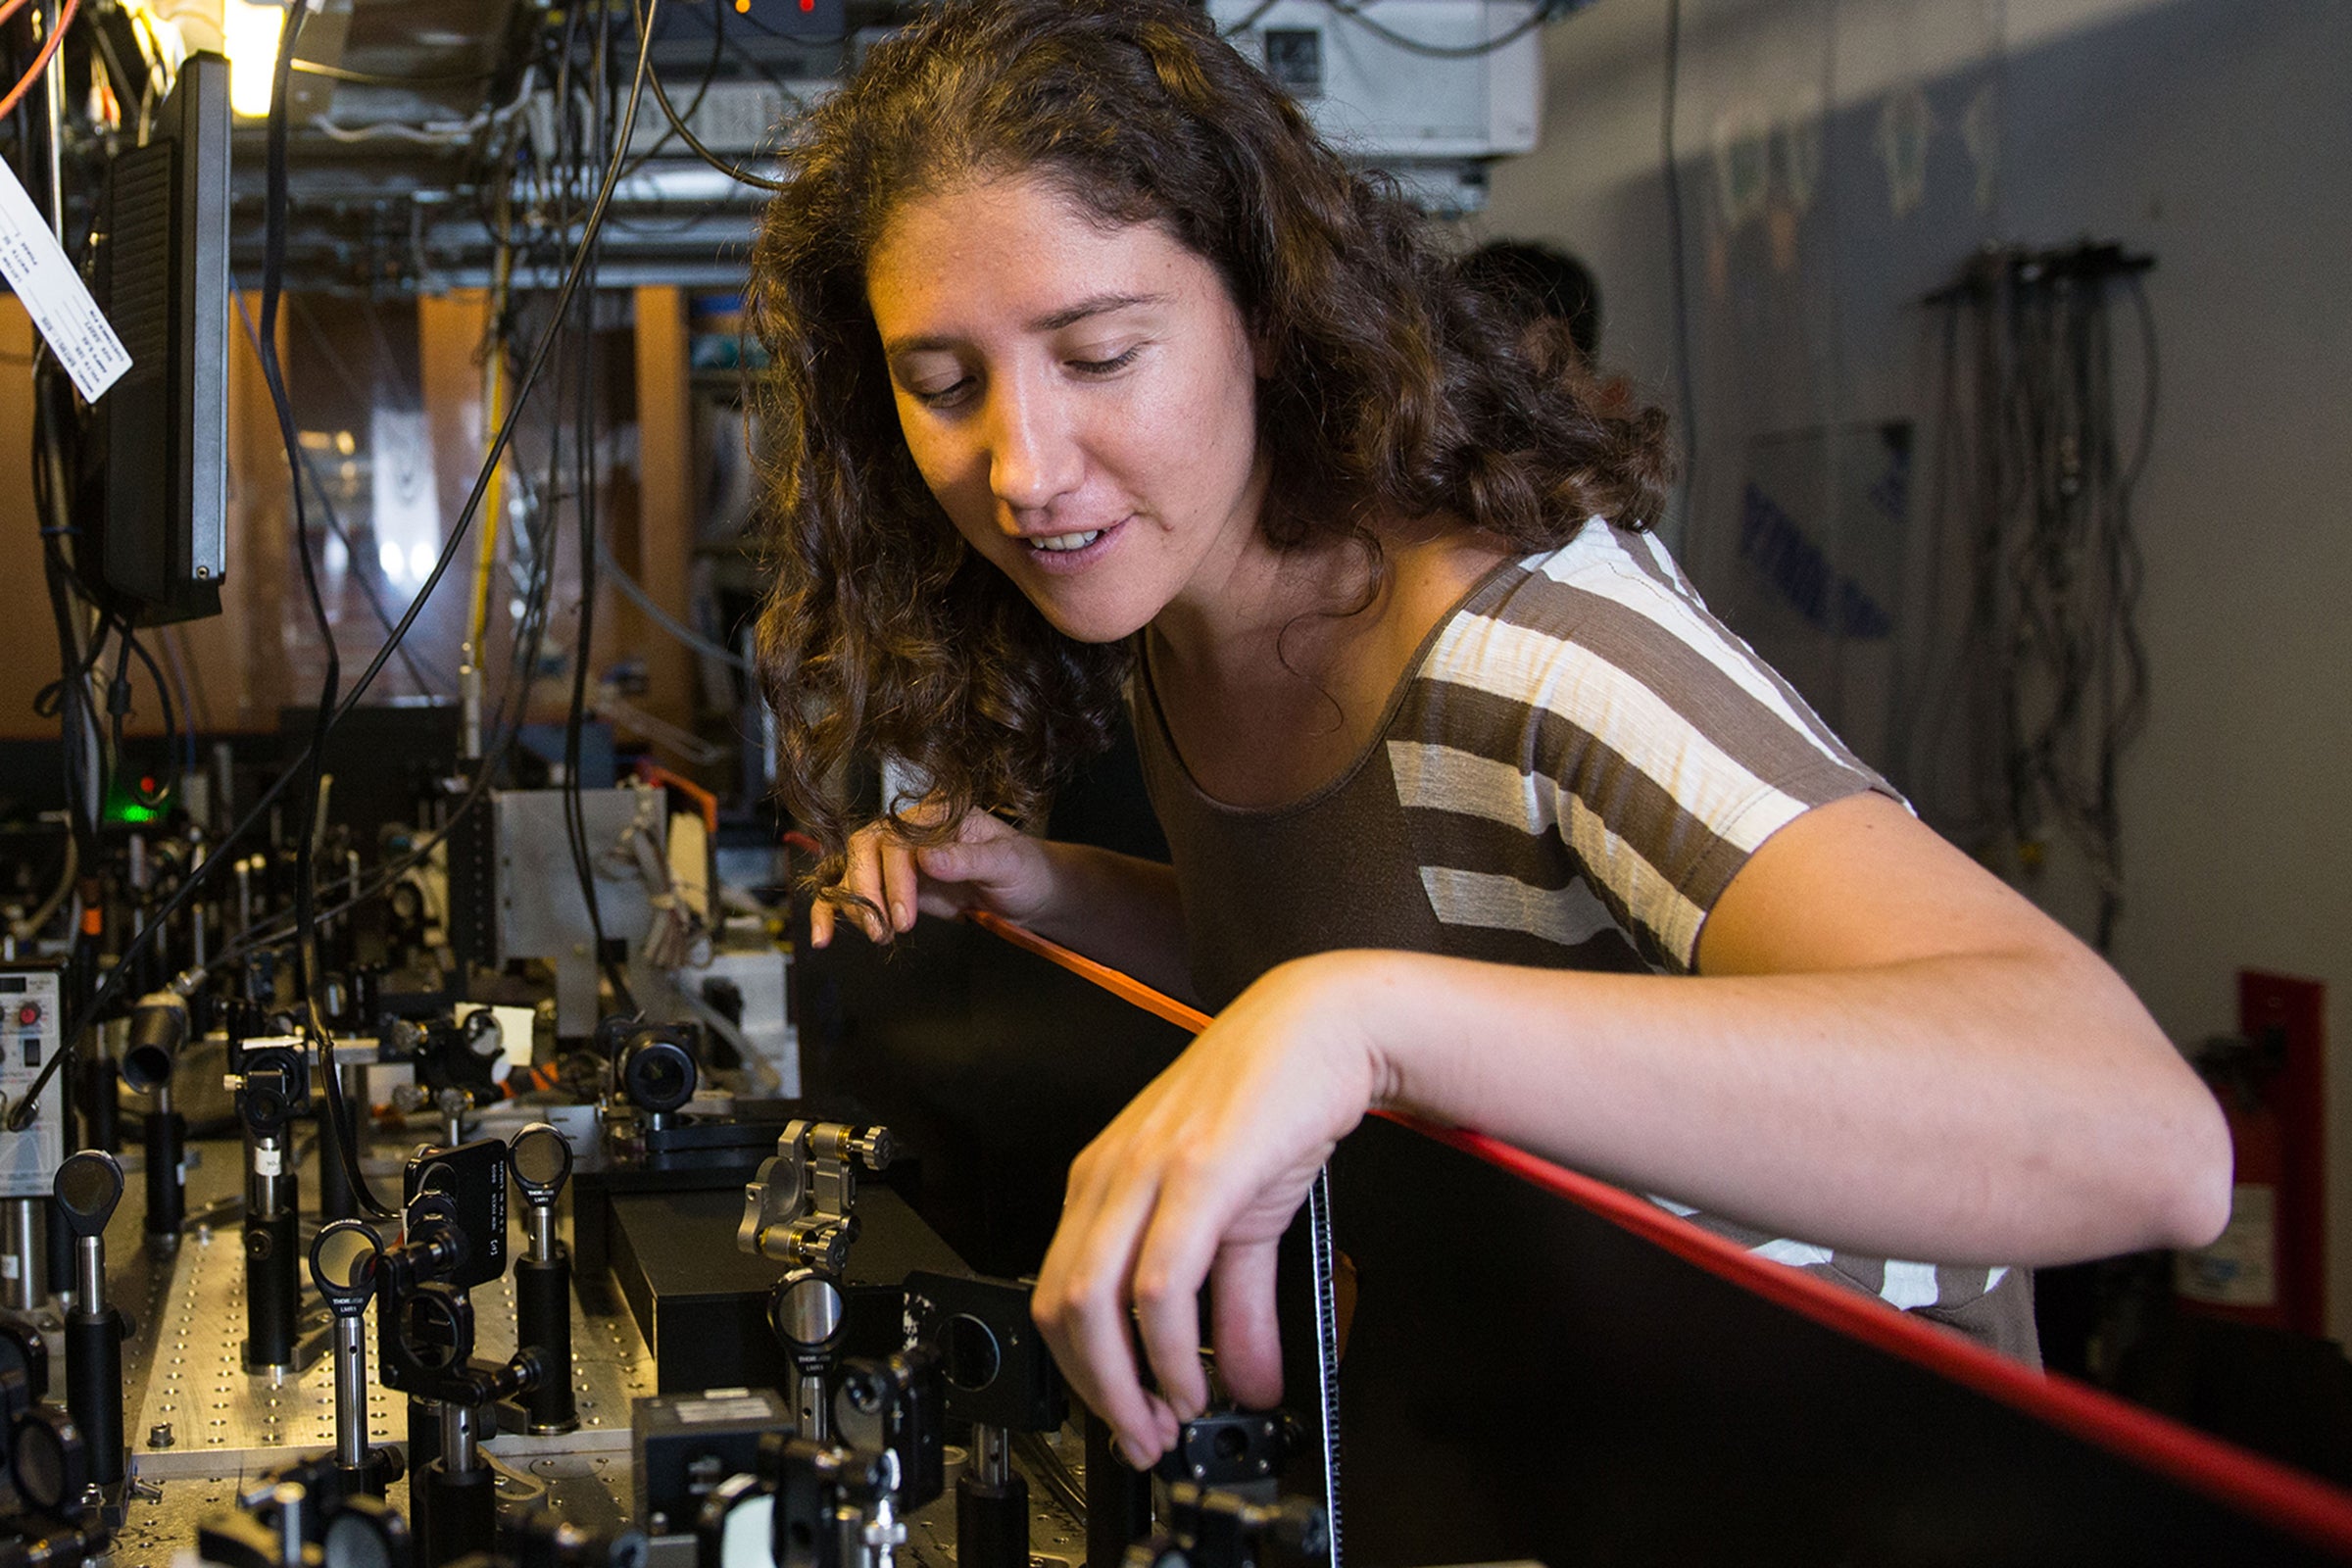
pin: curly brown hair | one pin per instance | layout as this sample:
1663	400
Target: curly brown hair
1396	387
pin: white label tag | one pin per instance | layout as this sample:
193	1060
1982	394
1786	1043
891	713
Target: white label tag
61	309
267	1161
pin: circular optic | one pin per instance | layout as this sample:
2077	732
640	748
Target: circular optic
540	1155
973	1358
483	1037
344	1255
433	1332
89	1186
658	1074
366	1533
746	1537
50	1463
805	1309
355	1543
25	1353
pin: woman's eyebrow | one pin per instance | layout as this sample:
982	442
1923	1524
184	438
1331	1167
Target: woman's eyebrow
1092	305
1052	321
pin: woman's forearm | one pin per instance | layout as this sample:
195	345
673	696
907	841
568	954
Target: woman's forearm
1118	909
1983	1107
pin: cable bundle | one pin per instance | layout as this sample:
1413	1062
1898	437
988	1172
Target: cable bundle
2050	666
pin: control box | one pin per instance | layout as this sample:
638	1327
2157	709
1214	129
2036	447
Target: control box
31	1033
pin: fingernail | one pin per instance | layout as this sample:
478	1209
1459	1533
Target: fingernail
898	917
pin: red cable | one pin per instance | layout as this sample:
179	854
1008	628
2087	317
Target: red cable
2297	1503
40	61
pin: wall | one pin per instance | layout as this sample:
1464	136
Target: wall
2213	133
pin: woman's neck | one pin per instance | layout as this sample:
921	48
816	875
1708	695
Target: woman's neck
1269	615
1273	685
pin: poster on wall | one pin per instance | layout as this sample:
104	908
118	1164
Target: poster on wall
1817	584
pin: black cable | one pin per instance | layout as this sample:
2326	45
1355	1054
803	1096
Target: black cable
693	142
77	719
505	731
575	810
1354	13
20	1116
119	708
702	91
361	565
1676	245
307	960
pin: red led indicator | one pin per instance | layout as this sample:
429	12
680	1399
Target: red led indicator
808	5
30	1014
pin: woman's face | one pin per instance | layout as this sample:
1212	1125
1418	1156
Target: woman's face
1081	398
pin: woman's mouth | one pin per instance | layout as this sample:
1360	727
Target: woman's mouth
1072	549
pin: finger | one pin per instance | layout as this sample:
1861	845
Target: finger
899	881
978	860
1081	1307
1170	1266
1242	1326
820	924
862	879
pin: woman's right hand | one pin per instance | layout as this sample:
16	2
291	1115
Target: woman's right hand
989	864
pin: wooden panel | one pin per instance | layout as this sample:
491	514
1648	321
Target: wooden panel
27	634
234	660
450	335
666	518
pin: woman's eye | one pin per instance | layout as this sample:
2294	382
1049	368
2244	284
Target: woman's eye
940	397
1117	362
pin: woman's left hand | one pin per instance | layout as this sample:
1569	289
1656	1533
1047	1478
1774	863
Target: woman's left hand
1197	1180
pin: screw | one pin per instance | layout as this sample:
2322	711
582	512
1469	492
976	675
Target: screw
159	1436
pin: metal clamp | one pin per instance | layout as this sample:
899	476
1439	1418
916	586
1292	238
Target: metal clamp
800	1207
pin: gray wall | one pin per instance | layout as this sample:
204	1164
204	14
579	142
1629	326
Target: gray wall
2214	133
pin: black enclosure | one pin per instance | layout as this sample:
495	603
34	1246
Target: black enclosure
1522	1379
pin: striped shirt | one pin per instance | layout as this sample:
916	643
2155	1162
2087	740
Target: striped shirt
1578	761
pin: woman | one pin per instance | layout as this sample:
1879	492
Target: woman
1100	372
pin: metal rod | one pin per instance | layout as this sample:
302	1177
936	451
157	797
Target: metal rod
196	914
809	1404
458	1455
89	1258
991	1455
351	1390
21	1239
542	1233
53	96
289	1499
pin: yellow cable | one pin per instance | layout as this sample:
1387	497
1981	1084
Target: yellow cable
485	561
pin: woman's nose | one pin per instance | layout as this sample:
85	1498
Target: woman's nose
1034	456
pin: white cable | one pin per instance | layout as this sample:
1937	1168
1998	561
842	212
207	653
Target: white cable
662	618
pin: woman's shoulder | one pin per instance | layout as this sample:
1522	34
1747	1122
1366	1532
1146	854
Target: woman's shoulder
1606	589
1602	638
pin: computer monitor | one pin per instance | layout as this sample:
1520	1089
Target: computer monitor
152	514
